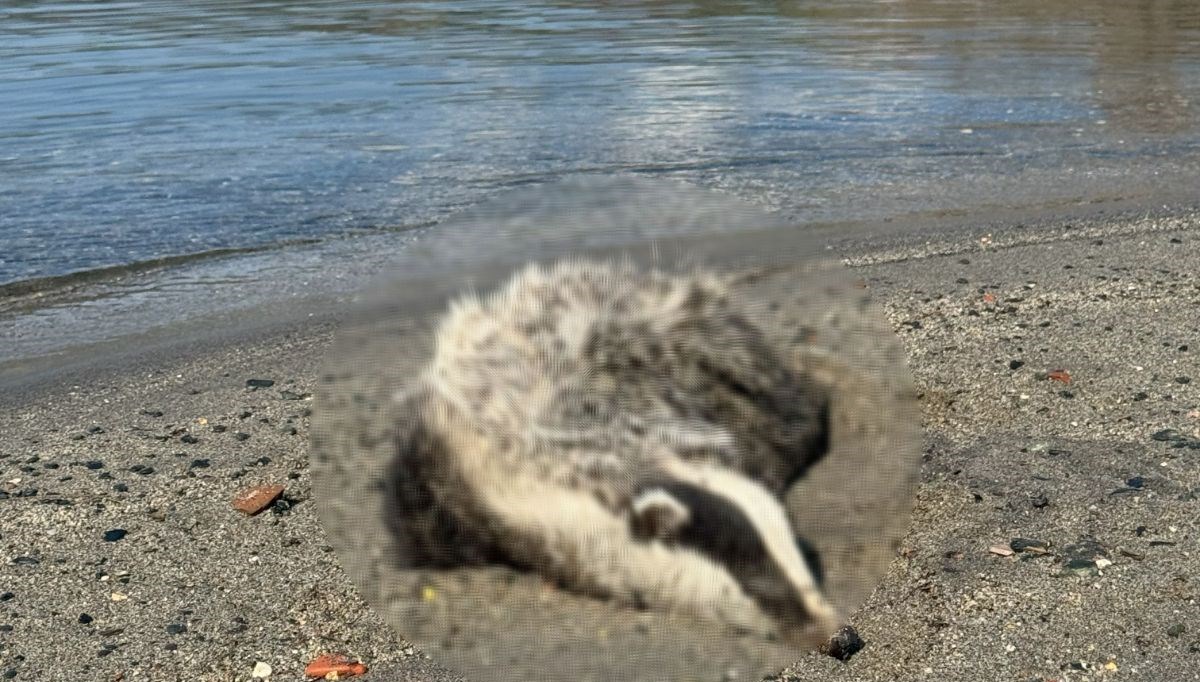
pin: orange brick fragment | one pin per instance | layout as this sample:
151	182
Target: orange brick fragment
253	500
334	667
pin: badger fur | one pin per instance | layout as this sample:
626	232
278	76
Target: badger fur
627	434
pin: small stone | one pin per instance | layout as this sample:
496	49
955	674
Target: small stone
142	469
94	464
1016	364
7	596
85	619
189	439
1168	435
1029	545
844	644
152	413
95	429
1176	630
219	428
261	671
241	436
290	395
121	488
1082	567
245	414
176	629
198	464
114	535
1140	396
26	561
1137	482
259	383
158	515
1183	380
1000	550
1040	502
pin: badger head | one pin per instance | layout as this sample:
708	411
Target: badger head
741	526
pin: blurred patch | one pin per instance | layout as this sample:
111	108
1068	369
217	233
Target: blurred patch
616	429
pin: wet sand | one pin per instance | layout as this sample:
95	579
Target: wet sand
1104	467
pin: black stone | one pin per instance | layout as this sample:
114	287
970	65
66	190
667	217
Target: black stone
7	596
85	618
1183	380
259	383
26	561
115	534
121	488
1137	482
152	413
241	436
142	469
94	464
176	629
189	439
198	464
844	644
1168	435
1016	364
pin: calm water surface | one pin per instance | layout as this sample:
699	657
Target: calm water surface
136	130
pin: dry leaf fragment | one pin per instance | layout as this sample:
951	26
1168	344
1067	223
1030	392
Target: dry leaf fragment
1060	375
1000	550
253	500
334	667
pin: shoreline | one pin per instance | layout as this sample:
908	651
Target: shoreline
1009	454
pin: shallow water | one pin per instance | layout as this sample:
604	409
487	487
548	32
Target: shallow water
137	130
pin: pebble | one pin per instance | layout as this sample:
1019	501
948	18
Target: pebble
241	436
1016	364
1168	435
1029	545
1176	630
85	619
176	629
844	644
142	469
152	413
261	670
259	383
115	534
189	439
198	464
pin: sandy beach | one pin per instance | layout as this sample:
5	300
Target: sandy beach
1054	536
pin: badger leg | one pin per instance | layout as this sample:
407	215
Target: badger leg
768	517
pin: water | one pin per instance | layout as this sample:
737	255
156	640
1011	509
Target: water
131	131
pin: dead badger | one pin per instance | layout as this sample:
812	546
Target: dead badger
627	434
